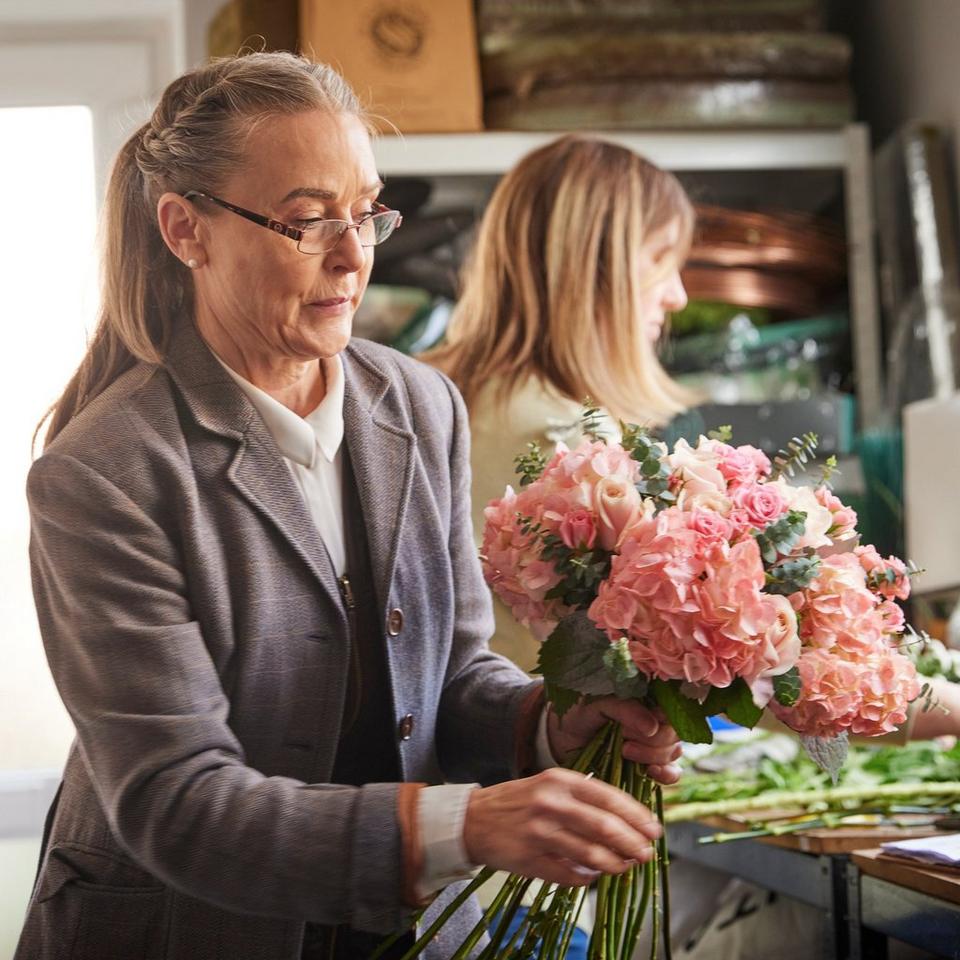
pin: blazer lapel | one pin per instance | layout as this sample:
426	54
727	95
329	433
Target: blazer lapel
382	455
257	470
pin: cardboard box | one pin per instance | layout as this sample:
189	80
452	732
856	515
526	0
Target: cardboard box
254	24
412	62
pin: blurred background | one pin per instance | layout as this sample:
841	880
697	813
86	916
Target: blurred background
816	139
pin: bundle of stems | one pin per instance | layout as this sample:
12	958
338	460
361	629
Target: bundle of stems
547	927
944	792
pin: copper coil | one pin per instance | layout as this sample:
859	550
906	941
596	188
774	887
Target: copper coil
790	294
777	240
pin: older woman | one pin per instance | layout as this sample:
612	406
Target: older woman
256	580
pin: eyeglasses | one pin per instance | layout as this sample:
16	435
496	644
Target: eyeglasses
319	235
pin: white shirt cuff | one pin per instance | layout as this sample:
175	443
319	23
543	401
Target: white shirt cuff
543	755
441	812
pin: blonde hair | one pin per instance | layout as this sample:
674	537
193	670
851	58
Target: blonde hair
193	141
552	288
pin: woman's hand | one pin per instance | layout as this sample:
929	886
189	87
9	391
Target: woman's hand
559	826
647	737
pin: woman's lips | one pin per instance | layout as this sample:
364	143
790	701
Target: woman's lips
331	306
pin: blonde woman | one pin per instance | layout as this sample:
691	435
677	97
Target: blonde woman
574	274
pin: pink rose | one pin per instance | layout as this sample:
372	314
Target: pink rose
618	506
744	464
781	637
711	527
762	503
577	529
844	522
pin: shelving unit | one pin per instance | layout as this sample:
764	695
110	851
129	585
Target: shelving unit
844	151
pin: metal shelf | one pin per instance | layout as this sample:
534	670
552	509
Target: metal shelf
843	149
495	152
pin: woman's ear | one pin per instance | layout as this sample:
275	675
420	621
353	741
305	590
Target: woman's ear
180	229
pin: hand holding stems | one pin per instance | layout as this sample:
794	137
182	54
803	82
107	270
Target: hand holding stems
559	826
648	738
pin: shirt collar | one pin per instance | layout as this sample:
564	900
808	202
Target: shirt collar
299	438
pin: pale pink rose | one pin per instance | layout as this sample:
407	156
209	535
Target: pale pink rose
782	638
819	518
697	468
888	578
762	503
618	506
711	500
578	529
844	522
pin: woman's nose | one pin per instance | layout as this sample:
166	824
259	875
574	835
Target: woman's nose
675	295
347	255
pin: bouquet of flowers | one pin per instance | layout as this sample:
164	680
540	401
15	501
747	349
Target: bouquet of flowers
701	581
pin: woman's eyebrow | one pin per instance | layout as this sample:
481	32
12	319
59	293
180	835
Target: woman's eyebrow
316	193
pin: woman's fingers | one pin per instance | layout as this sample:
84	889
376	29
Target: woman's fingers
652	755
534	826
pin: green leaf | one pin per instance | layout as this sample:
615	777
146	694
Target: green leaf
828	753
530	465
736	701
723	433
686	716
787	687
561	698
572	656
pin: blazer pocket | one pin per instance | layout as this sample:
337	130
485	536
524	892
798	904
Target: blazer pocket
91	906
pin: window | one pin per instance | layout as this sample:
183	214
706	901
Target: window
47	248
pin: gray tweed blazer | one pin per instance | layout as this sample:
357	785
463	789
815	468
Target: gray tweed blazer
194	628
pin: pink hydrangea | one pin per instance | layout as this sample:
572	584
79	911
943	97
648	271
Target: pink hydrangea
844	518
888	682
829	696
692	605
514	569
867	696
888	578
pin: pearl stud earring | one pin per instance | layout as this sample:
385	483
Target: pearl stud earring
192	264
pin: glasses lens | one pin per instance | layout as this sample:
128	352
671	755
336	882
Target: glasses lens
377	228
321	237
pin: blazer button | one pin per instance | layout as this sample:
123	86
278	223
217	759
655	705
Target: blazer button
405	727
395	622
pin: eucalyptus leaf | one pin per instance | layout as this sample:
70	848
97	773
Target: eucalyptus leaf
828	753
